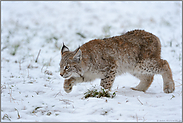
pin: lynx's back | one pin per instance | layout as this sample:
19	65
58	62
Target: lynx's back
127	49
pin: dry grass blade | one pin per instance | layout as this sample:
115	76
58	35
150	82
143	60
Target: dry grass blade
6	116
17	113
139	101
37	56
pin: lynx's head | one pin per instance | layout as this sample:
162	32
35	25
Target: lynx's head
70	62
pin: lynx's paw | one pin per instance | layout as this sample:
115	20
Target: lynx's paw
68	84
169	88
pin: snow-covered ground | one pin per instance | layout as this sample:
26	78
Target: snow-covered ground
33	91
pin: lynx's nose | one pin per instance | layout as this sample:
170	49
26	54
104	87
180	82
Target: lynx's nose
61	75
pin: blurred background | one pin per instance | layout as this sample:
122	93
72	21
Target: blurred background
28	27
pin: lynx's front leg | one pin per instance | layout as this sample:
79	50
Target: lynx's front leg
108	80
69	83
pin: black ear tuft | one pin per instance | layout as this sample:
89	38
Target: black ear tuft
64	49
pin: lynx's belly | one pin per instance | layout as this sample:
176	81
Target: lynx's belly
90	76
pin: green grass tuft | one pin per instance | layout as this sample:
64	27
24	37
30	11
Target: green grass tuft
101	93
15	47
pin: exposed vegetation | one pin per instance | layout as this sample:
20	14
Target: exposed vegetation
99	93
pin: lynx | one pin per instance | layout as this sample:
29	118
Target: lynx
136	52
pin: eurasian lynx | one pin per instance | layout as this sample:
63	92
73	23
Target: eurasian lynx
136	52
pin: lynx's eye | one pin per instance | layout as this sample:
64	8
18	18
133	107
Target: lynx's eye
66	67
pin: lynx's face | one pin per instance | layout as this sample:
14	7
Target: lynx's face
70	62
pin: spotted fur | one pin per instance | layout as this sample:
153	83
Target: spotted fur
136	52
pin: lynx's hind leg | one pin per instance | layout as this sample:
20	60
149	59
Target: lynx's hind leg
168	83
152	67
145	82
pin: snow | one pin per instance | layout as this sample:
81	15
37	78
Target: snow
28	93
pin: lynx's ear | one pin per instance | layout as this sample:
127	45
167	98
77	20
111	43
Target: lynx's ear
78	55
64	49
